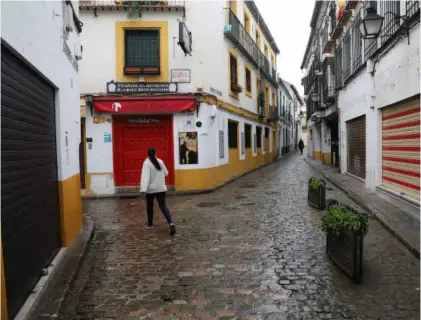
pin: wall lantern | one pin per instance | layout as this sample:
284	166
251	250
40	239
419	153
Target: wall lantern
199	99
371	25
89	99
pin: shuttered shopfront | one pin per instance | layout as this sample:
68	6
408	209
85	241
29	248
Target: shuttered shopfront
401	148
356	146
30	215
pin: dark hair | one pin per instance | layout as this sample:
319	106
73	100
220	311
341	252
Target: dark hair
151	155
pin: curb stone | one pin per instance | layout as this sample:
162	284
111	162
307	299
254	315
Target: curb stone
377	214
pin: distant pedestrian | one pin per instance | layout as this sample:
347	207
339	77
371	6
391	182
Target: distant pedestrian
301	145
153	185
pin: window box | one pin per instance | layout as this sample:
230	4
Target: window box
236	88
345	238
316	193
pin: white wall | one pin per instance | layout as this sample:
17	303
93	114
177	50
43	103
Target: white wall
208	63
34	29
396	77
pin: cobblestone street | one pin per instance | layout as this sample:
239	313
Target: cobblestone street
251	250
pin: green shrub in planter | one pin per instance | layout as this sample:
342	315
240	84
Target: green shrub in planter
317	193
345	229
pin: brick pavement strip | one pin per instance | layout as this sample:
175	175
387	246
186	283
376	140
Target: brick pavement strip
257	253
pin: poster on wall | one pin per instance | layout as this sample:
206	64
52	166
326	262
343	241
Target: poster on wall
107	137
255	143
243	143
221	144
188	147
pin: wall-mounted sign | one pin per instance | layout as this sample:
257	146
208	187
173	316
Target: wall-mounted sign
185	38
141	87
180	75
96	120
243	143
143	120
107	137
216	92
221	144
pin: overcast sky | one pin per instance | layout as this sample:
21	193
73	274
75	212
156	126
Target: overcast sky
289	23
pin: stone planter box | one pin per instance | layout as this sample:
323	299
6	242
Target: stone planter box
317	197
346	251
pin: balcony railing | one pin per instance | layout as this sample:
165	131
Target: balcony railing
236	32
113	4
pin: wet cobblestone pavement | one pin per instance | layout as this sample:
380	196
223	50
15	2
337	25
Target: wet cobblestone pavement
252	250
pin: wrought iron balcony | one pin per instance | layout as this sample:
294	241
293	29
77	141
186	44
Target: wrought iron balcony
171	5
238	35
327	40
261	105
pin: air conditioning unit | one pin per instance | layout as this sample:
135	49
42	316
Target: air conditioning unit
78	51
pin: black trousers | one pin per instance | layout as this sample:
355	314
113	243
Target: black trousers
160	197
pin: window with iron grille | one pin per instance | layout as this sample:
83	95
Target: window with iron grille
412	7
142	48
247	133
259	136
232	135
338	66
357	58
390	24
233	69
346	62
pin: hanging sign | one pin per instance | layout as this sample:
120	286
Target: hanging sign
141	87
185	38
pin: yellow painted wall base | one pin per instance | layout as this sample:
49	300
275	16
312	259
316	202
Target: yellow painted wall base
326	158
3	288
203	179
70	209
317	155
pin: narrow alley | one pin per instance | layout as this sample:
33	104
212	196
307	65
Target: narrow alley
251	250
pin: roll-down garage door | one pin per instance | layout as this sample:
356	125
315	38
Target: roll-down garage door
356	146
30	217
401	148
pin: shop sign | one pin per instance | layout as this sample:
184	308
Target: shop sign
142	87
185	38
180	75
143	120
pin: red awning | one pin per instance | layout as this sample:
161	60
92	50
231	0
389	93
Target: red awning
151	104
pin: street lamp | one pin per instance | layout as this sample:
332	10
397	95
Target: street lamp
371	26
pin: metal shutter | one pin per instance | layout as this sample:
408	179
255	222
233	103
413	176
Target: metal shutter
30	216
401	148
356	146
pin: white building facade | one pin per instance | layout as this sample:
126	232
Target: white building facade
211	114
41	202
377	90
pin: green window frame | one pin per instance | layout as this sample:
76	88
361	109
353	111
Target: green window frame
142	48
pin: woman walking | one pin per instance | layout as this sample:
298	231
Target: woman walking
301	145
153	184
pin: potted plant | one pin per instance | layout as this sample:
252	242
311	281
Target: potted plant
235	87
316	193
345	229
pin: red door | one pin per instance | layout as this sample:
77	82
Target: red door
133	136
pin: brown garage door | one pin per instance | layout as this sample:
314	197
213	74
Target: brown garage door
356	146
401	148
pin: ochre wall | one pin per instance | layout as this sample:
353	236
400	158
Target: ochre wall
70	209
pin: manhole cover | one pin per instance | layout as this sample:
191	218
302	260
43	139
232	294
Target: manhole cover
248	186
208	204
